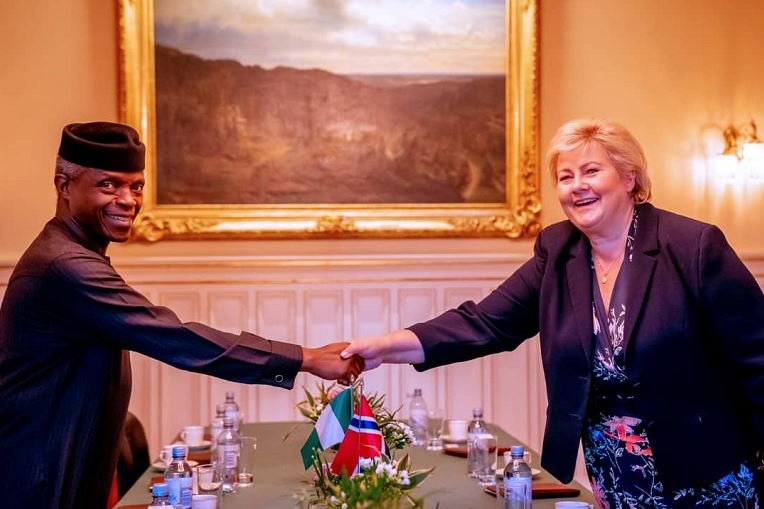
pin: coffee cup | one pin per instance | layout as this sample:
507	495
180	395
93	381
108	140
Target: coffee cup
193	435
165	455
572	504
457	429
527	457
204	501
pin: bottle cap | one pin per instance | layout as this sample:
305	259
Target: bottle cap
477	412
160	489
179	451
228	422
229	395
220	409
417	392
518	451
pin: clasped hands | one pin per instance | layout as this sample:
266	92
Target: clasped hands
326	362
344	361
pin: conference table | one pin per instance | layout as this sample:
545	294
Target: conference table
279	474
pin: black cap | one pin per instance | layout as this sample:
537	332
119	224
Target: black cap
103	145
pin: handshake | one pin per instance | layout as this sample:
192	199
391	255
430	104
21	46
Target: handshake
343	361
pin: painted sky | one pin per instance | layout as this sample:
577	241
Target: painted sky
342	36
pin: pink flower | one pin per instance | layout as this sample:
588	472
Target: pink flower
625	423
634	444
599	494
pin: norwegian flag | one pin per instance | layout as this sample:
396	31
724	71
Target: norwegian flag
362	440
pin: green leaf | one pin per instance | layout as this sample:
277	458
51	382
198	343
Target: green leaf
289	433
404	462
307	413
309	396
419	476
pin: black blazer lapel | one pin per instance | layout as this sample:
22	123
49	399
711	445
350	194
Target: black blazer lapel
644	260
578	273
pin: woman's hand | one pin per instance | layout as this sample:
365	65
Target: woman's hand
400	347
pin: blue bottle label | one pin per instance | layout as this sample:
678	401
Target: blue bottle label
186	490
173	488
518	491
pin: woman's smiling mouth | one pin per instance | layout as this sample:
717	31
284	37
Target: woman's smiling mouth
584	202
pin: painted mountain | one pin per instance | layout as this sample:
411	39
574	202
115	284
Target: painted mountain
235	134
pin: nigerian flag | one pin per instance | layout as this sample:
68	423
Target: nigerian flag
330	427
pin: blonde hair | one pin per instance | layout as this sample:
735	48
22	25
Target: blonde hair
623	150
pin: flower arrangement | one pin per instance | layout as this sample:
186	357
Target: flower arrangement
382	482
397	434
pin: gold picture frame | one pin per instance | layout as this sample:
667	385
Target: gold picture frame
517	217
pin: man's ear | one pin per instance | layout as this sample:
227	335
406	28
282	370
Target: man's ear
62	183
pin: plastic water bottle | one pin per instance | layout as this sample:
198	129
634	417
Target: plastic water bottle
216	428
476	427
229	449
232	409
160	493
518	490
418	418
179	479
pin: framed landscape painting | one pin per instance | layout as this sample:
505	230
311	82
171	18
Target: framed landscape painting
353	118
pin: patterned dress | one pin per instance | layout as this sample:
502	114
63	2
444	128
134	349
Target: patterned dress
617	451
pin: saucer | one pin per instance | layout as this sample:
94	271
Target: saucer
448	439
200	447
160	466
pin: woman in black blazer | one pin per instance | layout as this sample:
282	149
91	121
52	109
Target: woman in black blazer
651	330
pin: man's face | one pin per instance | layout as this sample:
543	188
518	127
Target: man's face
105	203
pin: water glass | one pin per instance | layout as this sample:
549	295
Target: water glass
247	461
209	478
485	447
434	430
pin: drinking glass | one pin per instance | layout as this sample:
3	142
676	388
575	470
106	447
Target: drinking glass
209	478
485	447
435	430
247	461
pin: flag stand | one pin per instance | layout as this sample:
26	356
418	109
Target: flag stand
360	387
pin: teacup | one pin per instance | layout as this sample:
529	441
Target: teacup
457	429
572	504
165	455
527	457
193	435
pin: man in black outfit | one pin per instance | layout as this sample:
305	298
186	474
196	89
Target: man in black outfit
68	320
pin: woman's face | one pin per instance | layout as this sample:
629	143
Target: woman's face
593	194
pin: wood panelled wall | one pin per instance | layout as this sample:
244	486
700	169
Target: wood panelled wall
314	300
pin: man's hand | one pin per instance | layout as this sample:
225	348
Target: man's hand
326	362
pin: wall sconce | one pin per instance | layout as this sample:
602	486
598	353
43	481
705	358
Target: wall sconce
743	155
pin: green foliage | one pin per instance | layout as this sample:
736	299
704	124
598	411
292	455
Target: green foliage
381	483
